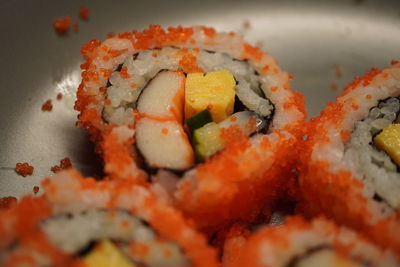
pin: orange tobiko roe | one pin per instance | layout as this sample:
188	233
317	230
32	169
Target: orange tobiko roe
119	157
36	189
47	106
84	13
188	63
62	24
333	194
24	169
65	163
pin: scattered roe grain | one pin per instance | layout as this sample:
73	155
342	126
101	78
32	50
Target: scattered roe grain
84	13
23	169
62	24
65	163
7	202
47	106
59	96
36	189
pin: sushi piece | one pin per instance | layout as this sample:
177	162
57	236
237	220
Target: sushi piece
350	168
203	116
81	222
299	243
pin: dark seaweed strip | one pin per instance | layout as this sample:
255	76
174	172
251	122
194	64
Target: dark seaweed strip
88	248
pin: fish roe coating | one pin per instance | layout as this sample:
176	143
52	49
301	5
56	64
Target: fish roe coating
24	169
84	13
47	106
62	24
59	96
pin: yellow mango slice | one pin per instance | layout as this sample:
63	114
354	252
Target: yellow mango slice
214	91
389	141
106	254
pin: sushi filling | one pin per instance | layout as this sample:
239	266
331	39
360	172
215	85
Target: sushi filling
96	235
323	256
376	164
179	115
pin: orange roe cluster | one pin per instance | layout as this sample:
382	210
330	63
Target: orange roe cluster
7	202
84	13
124	73
364	81
62	24
36	189
155	36
188	62
65	163
47	106
24	169
252	52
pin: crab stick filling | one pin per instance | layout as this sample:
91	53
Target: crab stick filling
159	131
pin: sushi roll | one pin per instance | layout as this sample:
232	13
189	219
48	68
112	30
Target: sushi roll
81	222
203	116
299	243
350	168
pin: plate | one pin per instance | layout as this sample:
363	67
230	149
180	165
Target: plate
324	44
